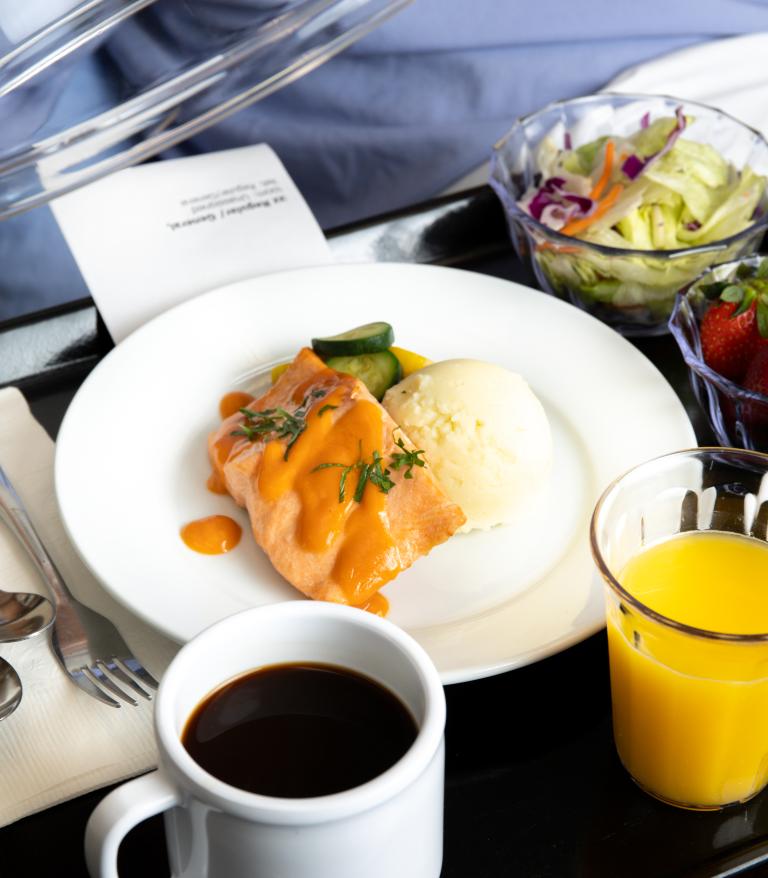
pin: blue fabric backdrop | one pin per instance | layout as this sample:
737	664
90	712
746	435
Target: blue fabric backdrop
395	118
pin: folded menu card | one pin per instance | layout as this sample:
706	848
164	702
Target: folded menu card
61	742
150	237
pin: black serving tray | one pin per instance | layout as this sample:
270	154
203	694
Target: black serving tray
533	784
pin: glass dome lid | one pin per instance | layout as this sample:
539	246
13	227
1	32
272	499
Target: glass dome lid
184	65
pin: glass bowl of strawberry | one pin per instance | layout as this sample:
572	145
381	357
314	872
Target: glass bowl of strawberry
720	323
618	200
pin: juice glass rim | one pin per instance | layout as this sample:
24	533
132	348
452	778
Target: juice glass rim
616	586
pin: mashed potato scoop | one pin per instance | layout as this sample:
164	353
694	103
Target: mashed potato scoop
485	436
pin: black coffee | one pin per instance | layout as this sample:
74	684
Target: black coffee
299	730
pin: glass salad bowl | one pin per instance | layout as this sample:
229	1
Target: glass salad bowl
738	416
618	229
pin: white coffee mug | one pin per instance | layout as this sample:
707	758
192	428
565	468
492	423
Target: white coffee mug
390	827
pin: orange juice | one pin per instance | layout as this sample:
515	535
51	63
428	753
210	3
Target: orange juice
690	712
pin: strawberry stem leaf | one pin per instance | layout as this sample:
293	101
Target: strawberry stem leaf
733	293
762	318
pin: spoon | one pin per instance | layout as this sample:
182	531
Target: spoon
10	689
23	614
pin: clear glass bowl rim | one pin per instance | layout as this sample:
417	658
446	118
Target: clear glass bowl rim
614	584
510	204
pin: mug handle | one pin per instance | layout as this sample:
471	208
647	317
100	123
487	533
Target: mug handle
118	813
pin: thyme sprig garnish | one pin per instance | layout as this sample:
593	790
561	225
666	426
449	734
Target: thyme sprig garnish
277	423
368	471
374	471
345	471
376	475
406	458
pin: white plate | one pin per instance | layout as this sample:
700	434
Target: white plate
131	462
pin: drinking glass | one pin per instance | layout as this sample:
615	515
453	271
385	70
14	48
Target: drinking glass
690	706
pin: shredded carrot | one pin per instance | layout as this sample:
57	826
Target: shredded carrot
558	248
597	190
576	226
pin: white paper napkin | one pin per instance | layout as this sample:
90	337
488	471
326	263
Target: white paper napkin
61	742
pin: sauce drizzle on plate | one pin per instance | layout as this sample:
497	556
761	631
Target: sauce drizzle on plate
212	535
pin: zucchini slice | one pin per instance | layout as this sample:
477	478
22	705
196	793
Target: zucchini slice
377	371
368	339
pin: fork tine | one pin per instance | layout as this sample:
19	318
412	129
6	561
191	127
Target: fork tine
99	678
119	669
77	628
114	675
84	682
138	671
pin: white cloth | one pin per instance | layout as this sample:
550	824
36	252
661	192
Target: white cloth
61	742
726	74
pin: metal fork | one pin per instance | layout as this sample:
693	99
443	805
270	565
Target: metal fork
88	646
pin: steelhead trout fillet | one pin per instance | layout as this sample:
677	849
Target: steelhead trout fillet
334	497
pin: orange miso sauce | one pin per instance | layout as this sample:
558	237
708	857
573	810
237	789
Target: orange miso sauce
212	535
233	402
229	404
376	604
218	534
367	557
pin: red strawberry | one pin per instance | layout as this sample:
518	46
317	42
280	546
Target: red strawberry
760	343
735	328
727	340
755	413
756	378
